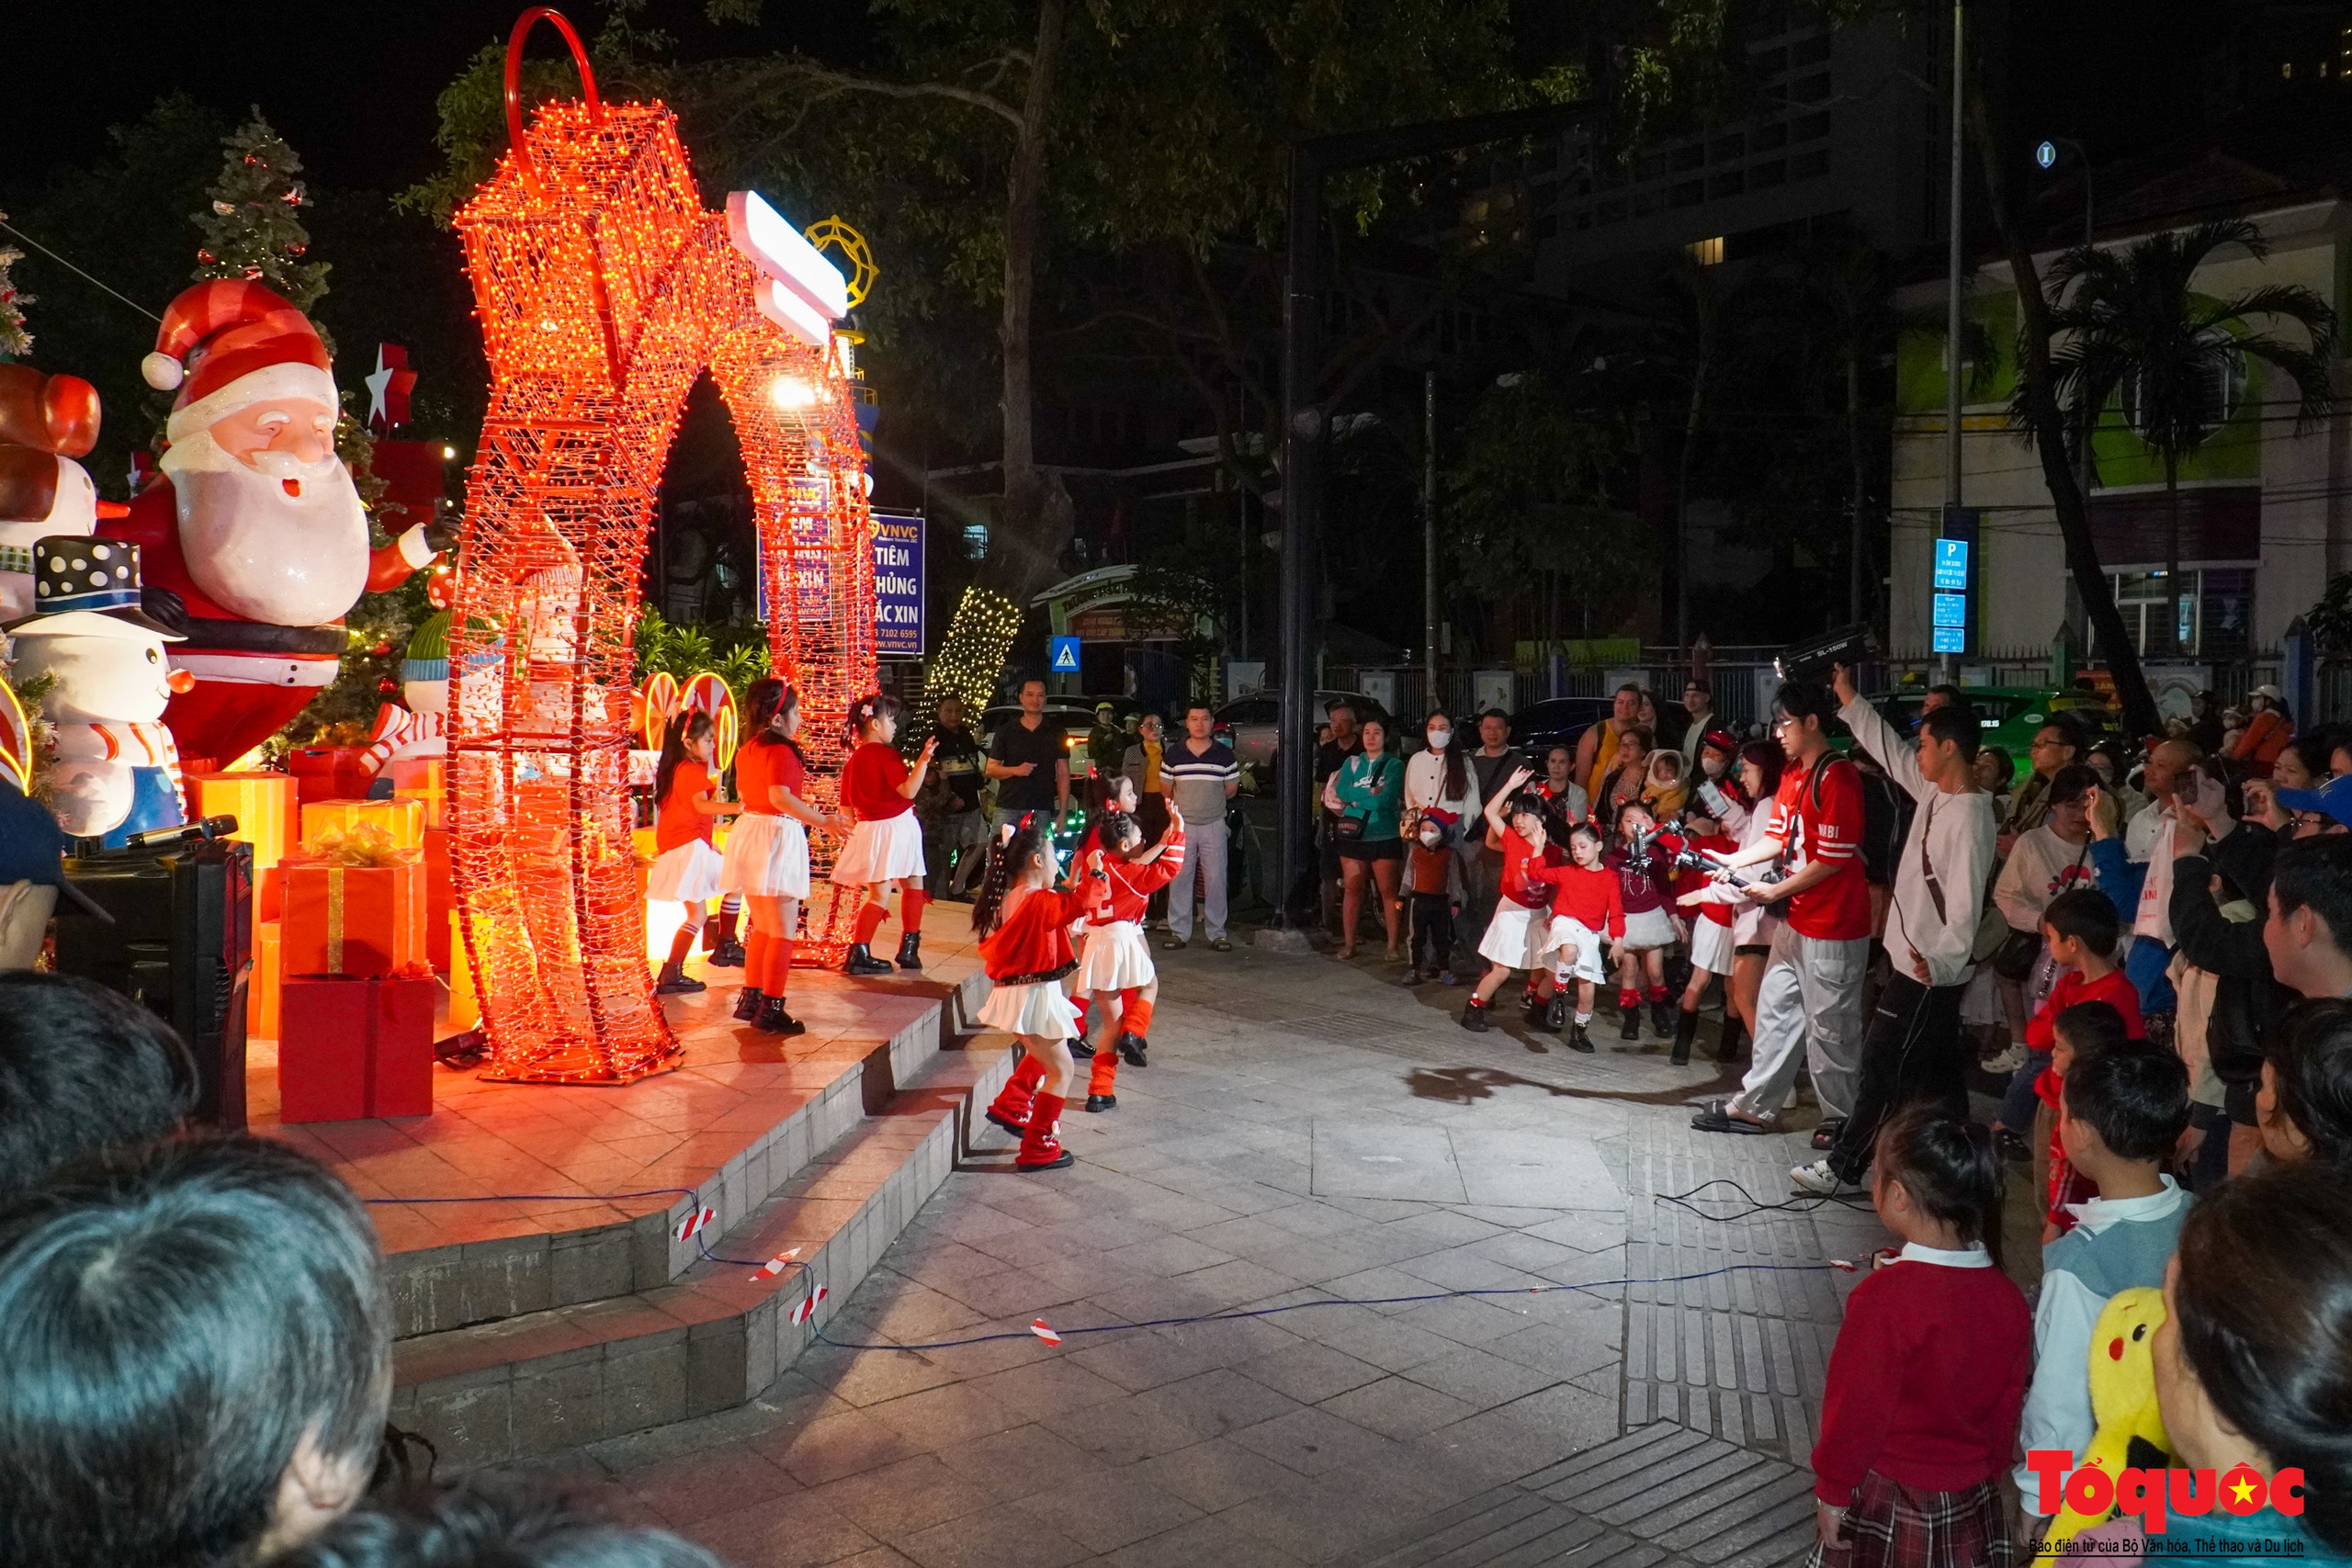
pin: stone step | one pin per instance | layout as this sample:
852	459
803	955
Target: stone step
714	1334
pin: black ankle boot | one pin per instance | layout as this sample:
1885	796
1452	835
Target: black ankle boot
673	980
1733	1041
1130	1047
1102	1103
910	955
1662	1015
747	1003
1474	1016
1579	1040
1686	1029
1555	1017
863	962
774	1020
1631	1029
1082	1048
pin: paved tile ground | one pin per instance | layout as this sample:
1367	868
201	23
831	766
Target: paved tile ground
1307	1132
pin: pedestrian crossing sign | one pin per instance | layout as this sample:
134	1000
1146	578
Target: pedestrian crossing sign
1062	655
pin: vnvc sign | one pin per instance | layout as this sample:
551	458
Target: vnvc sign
898	586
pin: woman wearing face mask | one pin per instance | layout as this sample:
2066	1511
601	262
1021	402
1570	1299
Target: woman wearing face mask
1442	779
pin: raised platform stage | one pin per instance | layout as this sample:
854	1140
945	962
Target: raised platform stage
544	1310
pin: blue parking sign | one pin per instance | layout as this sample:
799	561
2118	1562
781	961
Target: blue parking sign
1951	563
1061	655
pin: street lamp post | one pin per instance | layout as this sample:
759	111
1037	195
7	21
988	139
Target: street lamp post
1305	423
1953	258
2046	156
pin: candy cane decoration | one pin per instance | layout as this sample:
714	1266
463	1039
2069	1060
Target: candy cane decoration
707	693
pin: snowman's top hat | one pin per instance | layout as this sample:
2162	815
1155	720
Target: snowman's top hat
87	587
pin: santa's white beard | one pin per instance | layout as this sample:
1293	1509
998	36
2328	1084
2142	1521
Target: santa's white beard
263	554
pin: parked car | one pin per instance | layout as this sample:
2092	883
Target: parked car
2008	715
1250	725
1563	720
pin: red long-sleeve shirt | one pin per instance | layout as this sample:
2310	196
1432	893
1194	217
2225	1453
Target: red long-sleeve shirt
870	782
1927	1382
1035	939
1132	886
2114	988
1590	896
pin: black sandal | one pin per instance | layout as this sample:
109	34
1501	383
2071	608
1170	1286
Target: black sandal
1715	1117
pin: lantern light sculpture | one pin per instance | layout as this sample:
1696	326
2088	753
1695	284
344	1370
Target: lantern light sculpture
603	288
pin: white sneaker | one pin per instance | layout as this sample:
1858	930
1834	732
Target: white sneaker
2011	1058
1817	1178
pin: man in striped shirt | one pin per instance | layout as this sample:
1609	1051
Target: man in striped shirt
1198	775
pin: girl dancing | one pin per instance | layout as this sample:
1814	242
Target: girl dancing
767	851
689	871
886	847
1023	926
1117	960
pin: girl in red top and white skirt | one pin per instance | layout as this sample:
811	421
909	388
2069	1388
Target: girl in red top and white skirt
1520	935
689	871
1587	921
886	847
767	850
1116	961
1023	926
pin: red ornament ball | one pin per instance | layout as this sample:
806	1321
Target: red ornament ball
387	687
381	651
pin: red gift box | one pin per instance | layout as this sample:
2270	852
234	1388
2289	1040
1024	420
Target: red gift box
330	772
350	1048
440	897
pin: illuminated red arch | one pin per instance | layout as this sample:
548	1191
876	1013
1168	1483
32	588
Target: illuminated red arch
605	288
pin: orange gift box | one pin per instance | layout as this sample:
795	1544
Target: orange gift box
264	805
330	772
425	780
440	897
403	821
360	921
261	992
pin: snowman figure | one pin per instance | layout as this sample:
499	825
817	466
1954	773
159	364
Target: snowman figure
421	729
112	764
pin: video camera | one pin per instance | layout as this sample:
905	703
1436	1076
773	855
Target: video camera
1812	659
1687	859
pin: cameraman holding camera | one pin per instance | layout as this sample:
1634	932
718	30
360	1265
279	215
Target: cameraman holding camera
1915	1047
1812	981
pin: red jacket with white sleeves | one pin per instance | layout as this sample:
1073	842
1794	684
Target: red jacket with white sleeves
1132	886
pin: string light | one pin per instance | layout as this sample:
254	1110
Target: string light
790	392
603	288
971	658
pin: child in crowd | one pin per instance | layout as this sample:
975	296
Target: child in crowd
2124	1108
1665	790
1588	927
1713	946
767	851
480	1523
1519	936
886	846
1929	1369
2079	1032
2079	929
1024	927
1435	889
1644	869
1117	966
2304	1107
689	871
85	1069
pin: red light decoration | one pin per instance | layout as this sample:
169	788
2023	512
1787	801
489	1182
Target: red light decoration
603	288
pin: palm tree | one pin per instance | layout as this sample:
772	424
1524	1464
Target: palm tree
2142	335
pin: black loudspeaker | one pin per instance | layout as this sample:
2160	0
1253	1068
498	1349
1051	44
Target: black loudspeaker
182	944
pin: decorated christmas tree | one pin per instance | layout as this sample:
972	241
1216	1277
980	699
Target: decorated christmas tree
252	226
15	340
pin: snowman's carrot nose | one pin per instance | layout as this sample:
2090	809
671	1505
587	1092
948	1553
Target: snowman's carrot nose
180	680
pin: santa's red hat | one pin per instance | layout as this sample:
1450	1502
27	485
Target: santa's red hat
227	344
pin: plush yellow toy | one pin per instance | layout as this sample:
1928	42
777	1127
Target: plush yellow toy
2131	1429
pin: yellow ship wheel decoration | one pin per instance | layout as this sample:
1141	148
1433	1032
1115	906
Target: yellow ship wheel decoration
837	235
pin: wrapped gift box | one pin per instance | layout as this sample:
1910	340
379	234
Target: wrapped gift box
354	1048
330	772
261	990
264	805
440	897
403	821
360	921
425	780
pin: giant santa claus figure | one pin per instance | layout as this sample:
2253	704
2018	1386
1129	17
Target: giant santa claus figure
253	542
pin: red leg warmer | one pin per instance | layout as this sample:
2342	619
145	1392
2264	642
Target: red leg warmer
1041	1143
1013	1102
1104	1078
911	905
1136	1015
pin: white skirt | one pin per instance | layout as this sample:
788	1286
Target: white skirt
1650	928
767	857
881	851
688	874
1520	938
1712	946
1116	957
1038	1010
1591	949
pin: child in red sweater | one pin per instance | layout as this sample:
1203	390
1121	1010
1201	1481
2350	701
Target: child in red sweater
2081	929
1643	870
886	847
1518	933
1588	915
1116	965
1024	927
689	871
1930	1370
